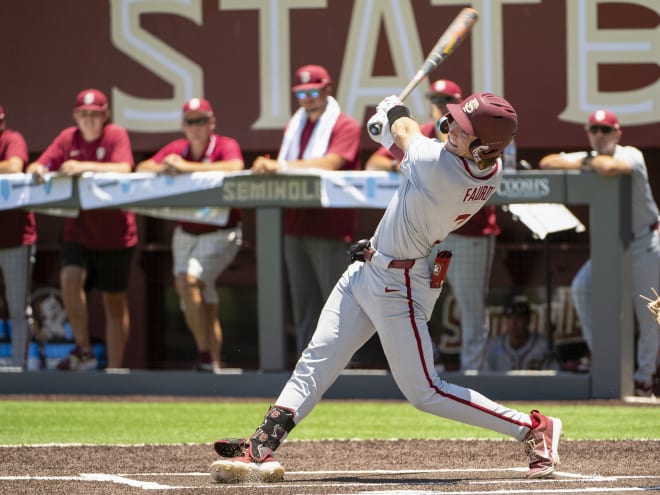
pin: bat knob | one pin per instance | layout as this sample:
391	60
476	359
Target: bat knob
374	129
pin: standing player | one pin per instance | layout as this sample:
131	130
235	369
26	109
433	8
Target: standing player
389	288
201	252
319	135
98	245
472	245
17	245
608	157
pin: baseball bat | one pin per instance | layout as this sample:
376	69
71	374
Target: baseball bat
459	28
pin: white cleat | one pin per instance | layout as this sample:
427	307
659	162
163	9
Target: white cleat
242	469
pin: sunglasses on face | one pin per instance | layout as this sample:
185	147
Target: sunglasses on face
439	100
89	114
309	93
197	121
593	129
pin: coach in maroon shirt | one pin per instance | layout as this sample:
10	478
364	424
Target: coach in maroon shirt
17	244
319	135
201	252
98	245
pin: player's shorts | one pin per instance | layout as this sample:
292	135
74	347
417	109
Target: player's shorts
205	256
108	270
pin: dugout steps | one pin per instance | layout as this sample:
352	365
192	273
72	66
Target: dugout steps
351	384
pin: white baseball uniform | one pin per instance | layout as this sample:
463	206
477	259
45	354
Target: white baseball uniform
439	192
502	356
645	251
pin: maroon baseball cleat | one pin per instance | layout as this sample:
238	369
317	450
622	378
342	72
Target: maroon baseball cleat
78	360
542	446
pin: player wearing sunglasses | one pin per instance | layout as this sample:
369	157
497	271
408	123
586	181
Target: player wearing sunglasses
608	157
201	252
318	136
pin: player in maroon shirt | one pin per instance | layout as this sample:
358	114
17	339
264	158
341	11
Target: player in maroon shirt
98	245
319	136
473	244
17	244
201	251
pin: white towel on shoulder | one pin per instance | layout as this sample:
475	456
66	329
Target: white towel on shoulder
318	141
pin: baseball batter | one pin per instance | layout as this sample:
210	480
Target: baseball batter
390	288
607	157
472	244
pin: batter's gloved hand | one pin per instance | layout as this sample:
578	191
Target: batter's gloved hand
388	103
653	305
357	249
379	129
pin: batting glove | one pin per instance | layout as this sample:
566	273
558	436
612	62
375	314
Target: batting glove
378	127
357	250
388	103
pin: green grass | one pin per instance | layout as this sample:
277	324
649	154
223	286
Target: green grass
109	422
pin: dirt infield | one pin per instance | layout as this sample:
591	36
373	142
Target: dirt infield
334	467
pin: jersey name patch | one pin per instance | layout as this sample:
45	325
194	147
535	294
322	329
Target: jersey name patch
481	193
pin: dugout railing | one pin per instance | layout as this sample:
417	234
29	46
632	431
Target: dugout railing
608	199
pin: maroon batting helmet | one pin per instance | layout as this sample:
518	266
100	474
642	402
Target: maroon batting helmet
488	117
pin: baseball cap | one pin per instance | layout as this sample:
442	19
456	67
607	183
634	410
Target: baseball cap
91	99
311	77
2	112
518	306
445	87
198	105
604	117
488	117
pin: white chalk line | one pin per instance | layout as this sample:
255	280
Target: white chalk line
560	477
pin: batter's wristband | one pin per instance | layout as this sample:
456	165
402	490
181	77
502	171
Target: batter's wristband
396	113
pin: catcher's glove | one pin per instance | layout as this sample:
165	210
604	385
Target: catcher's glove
653	305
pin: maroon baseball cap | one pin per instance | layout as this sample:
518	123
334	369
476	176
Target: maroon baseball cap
91	99
311	77
199	105
2	112
488	117
445	87
604	117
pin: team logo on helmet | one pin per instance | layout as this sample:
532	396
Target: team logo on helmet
88	99
305	77
195	103
471	105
